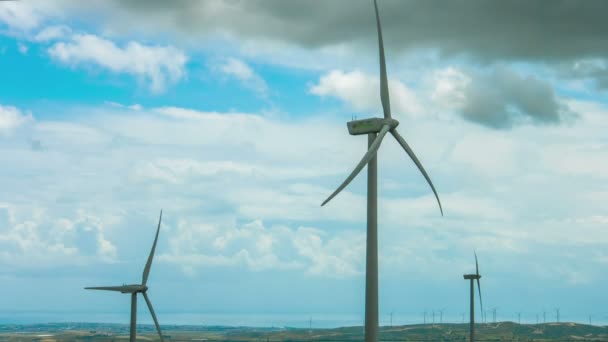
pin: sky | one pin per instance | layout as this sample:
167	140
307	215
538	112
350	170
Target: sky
230	116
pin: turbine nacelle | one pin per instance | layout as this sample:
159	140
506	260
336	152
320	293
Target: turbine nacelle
134	288
472	276
373	125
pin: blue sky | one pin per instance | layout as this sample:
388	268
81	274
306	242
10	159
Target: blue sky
234	125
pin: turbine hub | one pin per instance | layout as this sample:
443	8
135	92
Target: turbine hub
372	125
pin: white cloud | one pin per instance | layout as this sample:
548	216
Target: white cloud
213	171
362	92
52	33
39	240
11	118
21	15
449	87
239	70
161	66
257	247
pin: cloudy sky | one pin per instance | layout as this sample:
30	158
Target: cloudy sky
230	116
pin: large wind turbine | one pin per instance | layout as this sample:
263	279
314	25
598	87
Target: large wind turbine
376	129
134	289
472	278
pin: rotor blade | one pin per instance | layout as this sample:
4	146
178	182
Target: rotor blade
108	288
149	262
409	151
366	158
479	291
478	285
160	334
386	103
384	97
476	264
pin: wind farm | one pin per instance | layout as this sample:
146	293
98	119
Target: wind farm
227	114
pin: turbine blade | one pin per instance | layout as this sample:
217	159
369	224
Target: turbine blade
409	151
149	262
478	284
479	291
160	334
476	264
108	288
384	97
366	158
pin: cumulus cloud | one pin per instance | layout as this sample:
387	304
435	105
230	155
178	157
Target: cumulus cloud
161	66
11	118
51	33
22	15
239	70
258	247
236	199
361	92
500	98
41	240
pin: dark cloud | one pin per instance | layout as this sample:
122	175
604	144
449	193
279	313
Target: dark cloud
537	30
503	98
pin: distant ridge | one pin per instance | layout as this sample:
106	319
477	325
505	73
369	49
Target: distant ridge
503	331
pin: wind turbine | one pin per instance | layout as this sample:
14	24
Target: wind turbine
376	129
472	278
441	316
134	289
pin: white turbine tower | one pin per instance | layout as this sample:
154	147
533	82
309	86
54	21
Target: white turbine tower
134	289
376	129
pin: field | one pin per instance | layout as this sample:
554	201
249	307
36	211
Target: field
502	331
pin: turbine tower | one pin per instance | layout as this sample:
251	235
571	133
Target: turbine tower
134	289
472	278
376	129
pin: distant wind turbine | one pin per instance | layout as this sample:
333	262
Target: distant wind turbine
441	315
376	129
134	289
557	314
472	278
